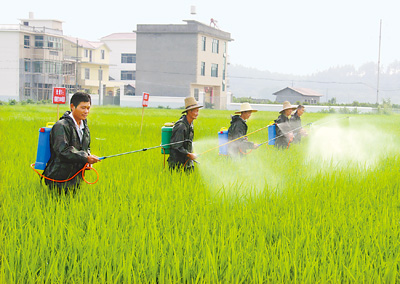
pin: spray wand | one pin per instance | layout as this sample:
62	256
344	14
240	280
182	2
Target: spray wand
142	150
308	124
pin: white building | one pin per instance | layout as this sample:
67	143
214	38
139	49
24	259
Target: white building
31	56
122	59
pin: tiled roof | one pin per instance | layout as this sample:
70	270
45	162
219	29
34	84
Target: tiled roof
303	91
120	36
85	43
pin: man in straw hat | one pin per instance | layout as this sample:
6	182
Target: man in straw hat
295	123
181	156
238	129
284	135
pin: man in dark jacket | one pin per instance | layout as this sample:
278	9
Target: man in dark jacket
70	145
295	122
284	135
181	156
238	129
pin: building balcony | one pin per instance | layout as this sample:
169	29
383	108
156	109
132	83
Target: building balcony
41	30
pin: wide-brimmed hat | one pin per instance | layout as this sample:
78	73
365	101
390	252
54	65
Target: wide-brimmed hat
191	103
287	105
245	107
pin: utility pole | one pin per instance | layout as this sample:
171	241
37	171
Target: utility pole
100	89
379	62
76	67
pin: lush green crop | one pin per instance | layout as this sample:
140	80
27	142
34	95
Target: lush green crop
327	210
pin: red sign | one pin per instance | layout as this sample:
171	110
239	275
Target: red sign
145	101
59	95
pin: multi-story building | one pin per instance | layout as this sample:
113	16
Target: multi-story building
122	59
93	65
35	57
183	60
31	56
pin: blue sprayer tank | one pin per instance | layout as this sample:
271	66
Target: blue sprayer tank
271	134
166	132
43	151
222	139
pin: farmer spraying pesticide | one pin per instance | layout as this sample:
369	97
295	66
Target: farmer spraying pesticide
284	136
70	145
181	156
238	129
295	122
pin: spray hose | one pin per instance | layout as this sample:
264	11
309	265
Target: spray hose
85	167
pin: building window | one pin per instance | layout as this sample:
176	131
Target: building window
26	23
86	53
53	42
27	89
102	54
87	73
128	75
224	69
196	94
52	52
50	42
223	86
215	46
90	55
214	70
27	40
128	58
38	66
27	65
203	43
203	69
39	41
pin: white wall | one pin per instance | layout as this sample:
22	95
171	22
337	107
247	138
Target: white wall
117	47
309	108
154	101
9	65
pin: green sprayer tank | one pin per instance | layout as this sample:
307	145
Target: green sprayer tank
166	132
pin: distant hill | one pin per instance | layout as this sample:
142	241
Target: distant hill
345	83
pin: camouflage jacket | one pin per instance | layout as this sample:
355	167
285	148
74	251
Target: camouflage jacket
68	154
237	129
182	130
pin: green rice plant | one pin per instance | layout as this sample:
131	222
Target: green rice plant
317	212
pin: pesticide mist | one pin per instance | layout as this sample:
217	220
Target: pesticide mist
241	176
349	142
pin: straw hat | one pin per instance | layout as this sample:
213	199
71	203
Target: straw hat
287	105
245	107
190	103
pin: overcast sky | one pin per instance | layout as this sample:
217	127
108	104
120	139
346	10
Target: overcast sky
287	36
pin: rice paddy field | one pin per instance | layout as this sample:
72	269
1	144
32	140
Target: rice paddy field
323	211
